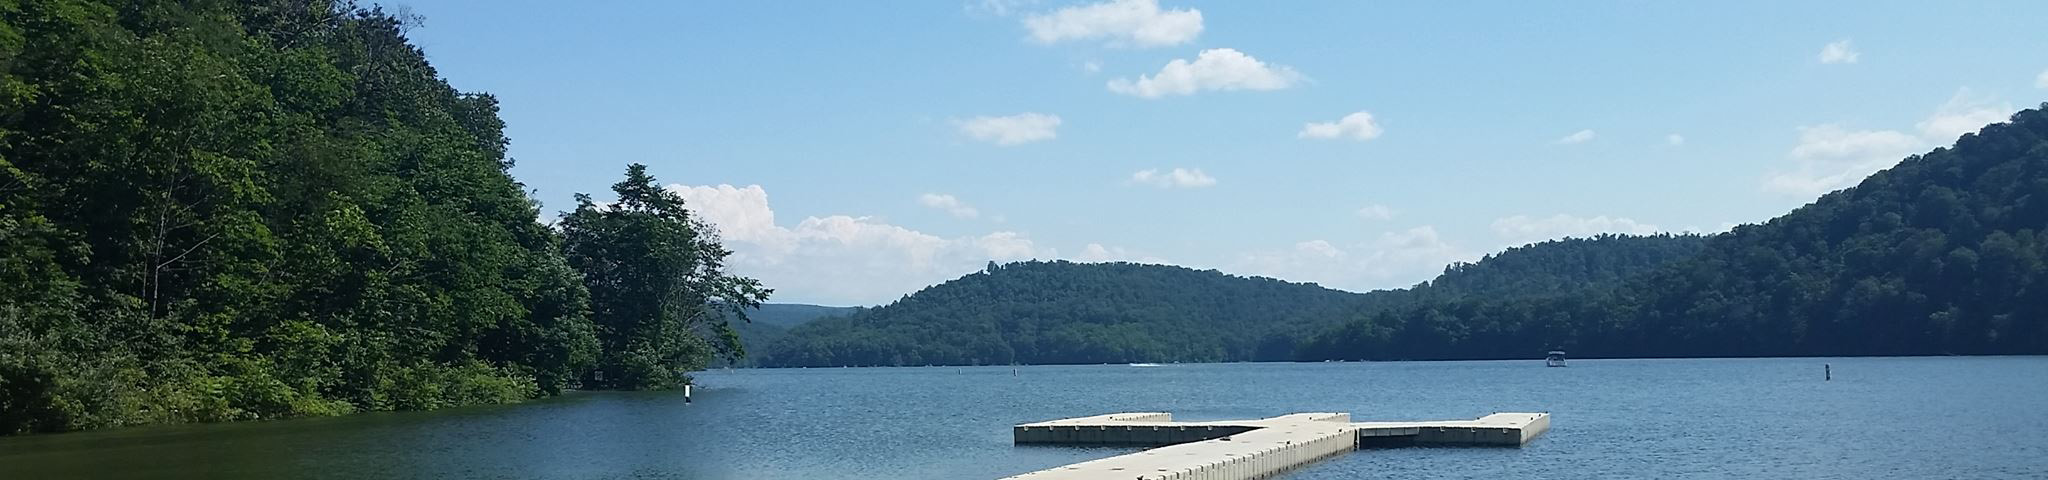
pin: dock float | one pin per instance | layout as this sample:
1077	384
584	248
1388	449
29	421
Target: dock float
1249	449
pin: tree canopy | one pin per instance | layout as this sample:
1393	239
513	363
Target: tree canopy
219	210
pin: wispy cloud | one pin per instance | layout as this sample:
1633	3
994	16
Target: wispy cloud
1012	130
1176	178
1839	51
1577	137
1376	212
1356	126
947	202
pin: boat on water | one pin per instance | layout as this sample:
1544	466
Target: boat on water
1554	359
1144	364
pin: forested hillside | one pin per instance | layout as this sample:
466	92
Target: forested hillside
1062	312
1941	254
233	210
770	323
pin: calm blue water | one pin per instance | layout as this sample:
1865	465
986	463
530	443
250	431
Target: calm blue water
1763	418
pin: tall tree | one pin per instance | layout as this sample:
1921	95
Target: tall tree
659	292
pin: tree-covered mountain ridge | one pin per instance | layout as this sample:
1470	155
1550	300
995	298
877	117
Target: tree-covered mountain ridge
1939	254
1066	312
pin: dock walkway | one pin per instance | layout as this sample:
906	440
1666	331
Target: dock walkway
1248	449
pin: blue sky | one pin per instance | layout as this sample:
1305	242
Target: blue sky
854	152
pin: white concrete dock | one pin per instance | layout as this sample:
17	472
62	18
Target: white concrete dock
1248	449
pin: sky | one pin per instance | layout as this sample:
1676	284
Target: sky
851	153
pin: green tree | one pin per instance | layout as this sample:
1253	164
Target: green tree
660	296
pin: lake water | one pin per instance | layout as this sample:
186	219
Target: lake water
1952	417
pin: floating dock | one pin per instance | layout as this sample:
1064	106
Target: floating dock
1249	449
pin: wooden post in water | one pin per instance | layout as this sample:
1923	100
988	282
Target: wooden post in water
1827	372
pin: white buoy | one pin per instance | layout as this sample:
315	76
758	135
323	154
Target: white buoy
686	393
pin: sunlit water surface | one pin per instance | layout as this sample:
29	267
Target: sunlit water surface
1952	417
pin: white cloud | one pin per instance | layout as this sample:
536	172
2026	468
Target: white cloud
1376	212
948	203
2041	81
1010	130
1177	178
1674	139
1840	51
840	259
1356	126
1523	229
1091	67
1830	156
1962	114
1213	69
1139	23
1577	137
1394	259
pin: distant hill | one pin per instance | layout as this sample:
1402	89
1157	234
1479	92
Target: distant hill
1063	312
1941	254
773	320
786	315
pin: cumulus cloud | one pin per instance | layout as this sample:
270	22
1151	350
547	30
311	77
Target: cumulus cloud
1137	23
1674	139
1213	69
1356	126
1840	51
1577	137
1523	229
1376	212
841	259
2041	81
1831	156
948	203
1011	130
1176	178
1392	260
1962	113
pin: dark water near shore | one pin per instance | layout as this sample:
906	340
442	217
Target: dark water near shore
1950	417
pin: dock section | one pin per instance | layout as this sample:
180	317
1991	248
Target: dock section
1249	449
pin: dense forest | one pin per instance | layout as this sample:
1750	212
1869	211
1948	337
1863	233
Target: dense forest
1063	312
219	210
1941	254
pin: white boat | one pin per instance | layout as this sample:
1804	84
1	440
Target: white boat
1555	359
1144	364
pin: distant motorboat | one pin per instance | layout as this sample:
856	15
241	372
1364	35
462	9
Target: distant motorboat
1144	364
1554	359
